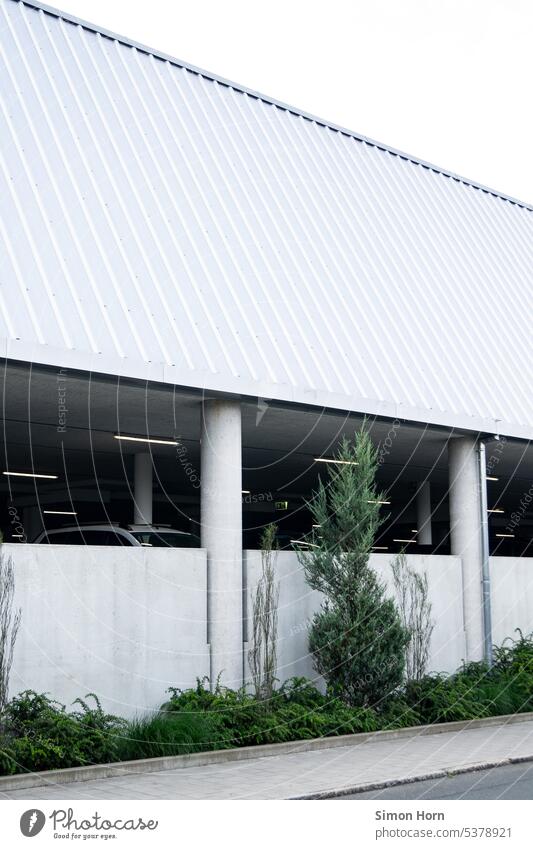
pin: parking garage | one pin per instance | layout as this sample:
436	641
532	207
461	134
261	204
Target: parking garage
203	290
78	439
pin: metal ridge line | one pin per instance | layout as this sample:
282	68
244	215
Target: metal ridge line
299	113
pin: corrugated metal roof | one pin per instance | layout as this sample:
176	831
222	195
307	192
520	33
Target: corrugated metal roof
161	223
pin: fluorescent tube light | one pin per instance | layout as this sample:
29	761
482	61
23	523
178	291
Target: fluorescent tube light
245	491
492	478
29	475
373	501
496	510
380	547
303	542
60	512
404	540
152	440
333	460
505	536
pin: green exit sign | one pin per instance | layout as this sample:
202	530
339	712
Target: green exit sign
281	505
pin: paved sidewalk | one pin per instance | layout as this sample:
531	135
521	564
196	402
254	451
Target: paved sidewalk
287	776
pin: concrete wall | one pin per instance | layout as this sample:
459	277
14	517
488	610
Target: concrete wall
446	595
512	596
125	623
298	604
128	623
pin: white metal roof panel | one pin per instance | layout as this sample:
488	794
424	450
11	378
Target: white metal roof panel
161	223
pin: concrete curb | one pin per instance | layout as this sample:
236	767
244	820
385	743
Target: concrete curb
222	756
414	779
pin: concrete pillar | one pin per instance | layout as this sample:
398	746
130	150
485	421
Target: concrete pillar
221	534
32	523
423	513
465	535
142	489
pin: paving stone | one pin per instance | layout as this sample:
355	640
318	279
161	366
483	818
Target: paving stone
301	773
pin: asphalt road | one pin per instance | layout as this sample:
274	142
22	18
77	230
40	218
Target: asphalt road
505	782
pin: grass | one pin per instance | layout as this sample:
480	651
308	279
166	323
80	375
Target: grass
159	735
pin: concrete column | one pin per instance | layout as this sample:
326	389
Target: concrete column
32	522
221	533
142	489
465	535
423	513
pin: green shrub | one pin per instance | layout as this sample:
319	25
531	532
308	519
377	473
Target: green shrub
8	765
35	753
474	691
398	714
438	698
514	665
39	733
164	735
301	691
296	711
239	718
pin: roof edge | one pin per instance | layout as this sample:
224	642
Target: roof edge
158	54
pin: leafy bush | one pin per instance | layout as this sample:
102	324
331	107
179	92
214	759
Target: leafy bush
239	718
302	691
513	663
475	691
296	711
8	766
398	714
437	698
39	733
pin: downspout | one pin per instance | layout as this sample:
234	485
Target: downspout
485	563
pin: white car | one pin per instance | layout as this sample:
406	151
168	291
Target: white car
152	536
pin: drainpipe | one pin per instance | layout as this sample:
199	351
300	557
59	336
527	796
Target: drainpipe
485	563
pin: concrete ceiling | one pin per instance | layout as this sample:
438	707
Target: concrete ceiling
280	444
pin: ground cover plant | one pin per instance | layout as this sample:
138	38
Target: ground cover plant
37	733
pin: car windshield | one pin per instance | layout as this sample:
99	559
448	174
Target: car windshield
162	539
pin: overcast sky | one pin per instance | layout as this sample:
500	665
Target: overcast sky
449	81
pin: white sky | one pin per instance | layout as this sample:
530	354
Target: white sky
446	80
